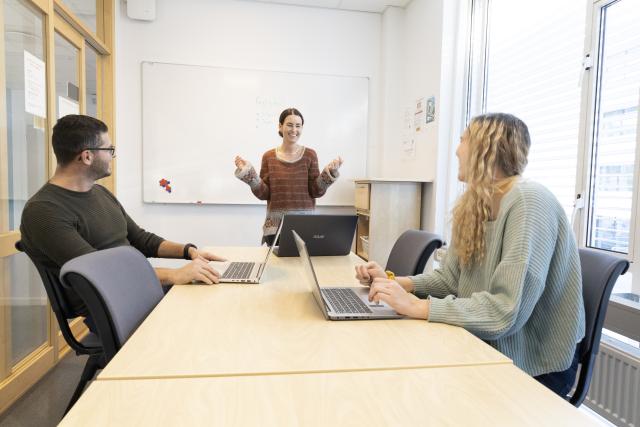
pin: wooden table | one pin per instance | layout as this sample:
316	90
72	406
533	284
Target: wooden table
276	328
488	395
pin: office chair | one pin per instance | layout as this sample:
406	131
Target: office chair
600	271
119	288
90	345
411	251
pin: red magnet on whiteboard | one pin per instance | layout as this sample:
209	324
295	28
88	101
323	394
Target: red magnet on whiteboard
165	184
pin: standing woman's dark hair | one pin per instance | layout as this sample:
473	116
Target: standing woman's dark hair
289	112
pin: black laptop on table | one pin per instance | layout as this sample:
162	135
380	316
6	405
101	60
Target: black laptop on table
325	235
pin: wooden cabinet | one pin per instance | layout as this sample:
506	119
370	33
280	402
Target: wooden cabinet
385	208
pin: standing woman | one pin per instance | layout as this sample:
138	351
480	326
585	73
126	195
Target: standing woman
512	273
289	179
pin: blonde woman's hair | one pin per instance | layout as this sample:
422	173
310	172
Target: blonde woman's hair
497	141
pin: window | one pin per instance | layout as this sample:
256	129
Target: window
571	71
615	119
93	73
533	62
67	79
23	168
85	10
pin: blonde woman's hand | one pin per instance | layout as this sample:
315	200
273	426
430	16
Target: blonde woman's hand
394	295
335	164
240	162
365	273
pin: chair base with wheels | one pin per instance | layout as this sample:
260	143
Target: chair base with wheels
94	363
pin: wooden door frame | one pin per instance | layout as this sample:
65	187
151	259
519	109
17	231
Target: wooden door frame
57	17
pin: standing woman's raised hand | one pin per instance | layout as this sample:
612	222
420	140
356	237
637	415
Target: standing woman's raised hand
240	162
335	164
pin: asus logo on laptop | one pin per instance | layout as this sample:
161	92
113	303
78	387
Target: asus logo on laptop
318	236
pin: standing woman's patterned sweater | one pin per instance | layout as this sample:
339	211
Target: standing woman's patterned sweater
287	186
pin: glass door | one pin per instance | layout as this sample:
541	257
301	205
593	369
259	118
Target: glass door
55	58
24	330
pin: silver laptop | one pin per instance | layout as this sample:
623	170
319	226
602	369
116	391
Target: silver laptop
245	272
341	303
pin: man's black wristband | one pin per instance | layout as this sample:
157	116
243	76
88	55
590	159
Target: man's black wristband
185	252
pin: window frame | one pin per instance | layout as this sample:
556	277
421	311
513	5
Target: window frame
589	116
623	317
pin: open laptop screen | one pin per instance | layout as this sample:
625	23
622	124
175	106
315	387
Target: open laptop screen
266	258
312	280
324	235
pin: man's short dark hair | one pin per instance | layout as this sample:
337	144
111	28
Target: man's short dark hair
74	133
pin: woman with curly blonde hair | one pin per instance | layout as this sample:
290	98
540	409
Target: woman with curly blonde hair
512	273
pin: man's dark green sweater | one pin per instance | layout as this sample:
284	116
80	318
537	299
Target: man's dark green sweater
59	225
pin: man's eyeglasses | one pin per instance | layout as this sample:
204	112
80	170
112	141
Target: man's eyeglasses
111	149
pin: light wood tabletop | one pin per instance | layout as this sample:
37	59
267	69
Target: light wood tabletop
275	327
489	395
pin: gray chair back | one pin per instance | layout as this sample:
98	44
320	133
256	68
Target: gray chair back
600	271
411	251
119	287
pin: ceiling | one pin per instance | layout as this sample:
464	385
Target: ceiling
377	6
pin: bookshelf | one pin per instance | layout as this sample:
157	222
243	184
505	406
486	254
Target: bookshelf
385	208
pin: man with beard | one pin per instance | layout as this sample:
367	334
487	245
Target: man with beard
71	215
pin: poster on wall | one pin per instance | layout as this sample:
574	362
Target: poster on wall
408	135
66	107
419	114
35	98
431	109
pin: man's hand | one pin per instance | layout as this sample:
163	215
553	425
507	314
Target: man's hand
203	255
197	270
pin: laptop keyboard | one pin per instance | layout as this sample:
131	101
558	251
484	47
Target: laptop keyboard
238	270
345	301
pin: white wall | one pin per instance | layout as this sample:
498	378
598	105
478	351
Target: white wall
392	83
232	34
421	58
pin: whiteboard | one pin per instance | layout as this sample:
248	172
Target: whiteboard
196	119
